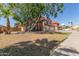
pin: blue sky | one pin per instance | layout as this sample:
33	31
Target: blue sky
70	14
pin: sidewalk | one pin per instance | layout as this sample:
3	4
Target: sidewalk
70	47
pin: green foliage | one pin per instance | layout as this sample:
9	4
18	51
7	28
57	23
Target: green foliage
66	27
5	11
24	12
53	9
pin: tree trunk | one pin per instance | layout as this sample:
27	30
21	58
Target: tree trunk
49	28
8	26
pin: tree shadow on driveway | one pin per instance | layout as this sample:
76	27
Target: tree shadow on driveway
66	52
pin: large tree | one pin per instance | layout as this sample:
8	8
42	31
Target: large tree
23	12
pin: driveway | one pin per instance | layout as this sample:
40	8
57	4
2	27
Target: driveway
70	47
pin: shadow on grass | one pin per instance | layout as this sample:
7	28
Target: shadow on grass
40	47
52	32
64	33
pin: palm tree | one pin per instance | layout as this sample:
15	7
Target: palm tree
6	13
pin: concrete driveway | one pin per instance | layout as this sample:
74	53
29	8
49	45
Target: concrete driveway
70	47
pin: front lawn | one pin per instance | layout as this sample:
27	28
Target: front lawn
30	43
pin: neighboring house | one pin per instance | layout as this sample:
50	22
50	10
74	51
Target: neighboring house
45	24
2	28
40	24
56	25
16	27
75	27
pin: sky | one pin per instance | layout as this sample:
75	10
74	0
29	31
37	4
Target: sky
70	14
